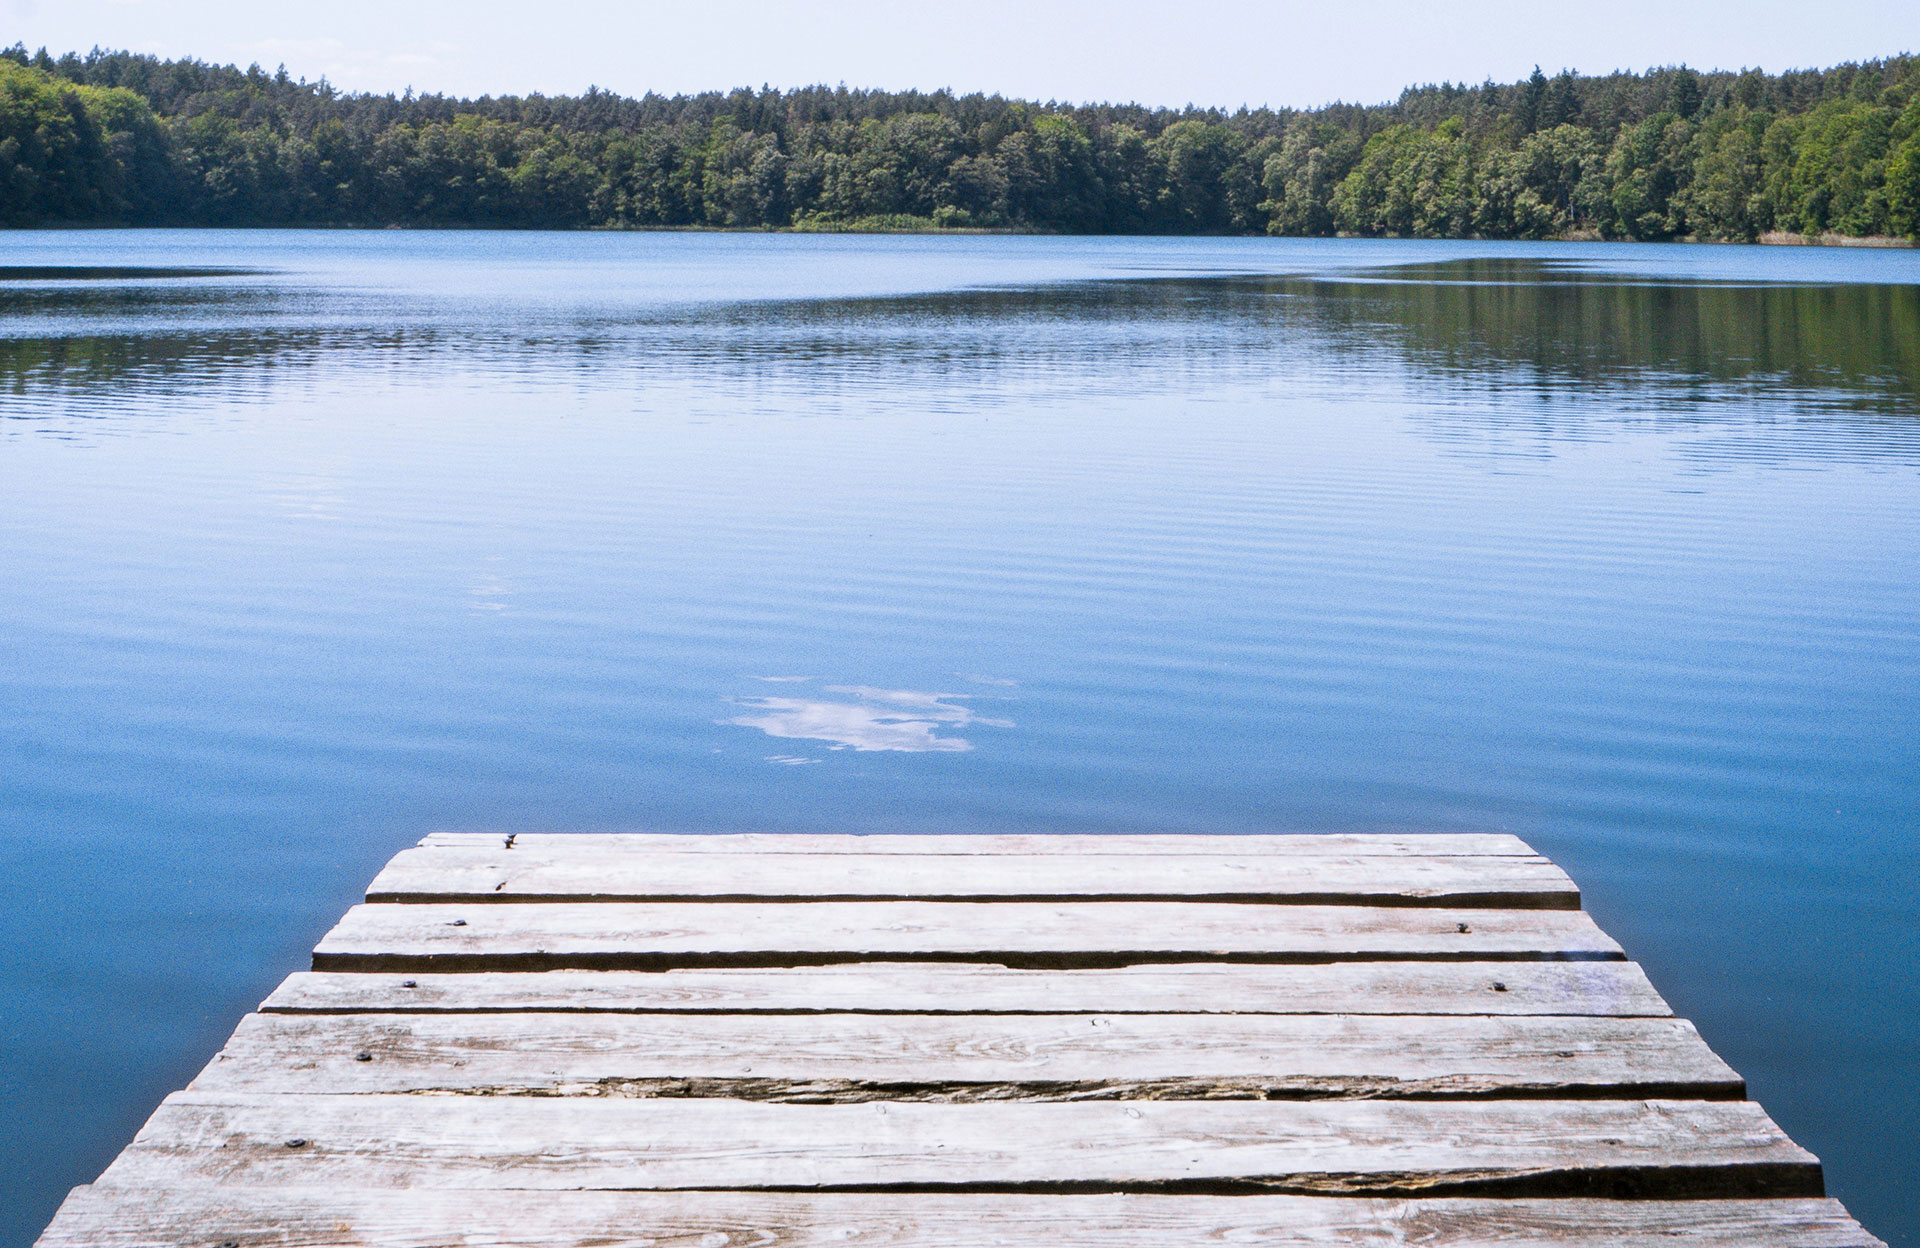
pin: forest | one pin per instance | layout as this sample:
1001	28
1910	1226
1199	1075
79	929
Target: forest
115	138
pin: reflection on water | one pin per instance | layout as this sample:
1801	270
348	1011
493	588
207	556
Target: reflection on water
865	719
1690	350
1611	547
1851	346
104	273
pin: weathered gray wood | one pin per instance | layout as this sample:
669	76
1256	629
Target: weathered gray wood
247	1217
659	935
940	1061
819	1059
1618	989
1312	845
1644	1149
558	872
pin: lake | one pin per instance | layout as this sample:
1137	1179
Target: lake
316	542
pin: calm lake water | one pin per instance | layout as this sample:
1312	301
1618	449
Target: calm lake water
1616	548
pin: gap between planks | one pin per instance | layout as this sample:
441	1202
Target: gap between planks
662	936
594	875
1617	1149
1616	989
824	1059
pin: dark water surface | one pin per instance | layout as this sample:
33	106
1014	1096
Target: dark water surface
322	541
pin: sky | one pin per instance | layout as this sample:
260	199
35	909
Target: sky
1225	53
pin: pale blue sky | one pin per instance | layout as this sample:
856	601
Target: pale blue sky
1226	53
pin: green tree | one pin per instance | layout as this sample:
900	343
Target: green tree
1130	176
1300	177
1542	188
1836	179
1645	170
743	178
1050	177
1208	188
553	185
1903	173
1410	183
1725	197
1673	152
56	159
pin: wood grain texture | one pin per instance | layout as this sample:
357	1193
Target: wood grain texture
662	935
1619	1149
963	1041
252	1217
844	1058
1073	845
1618	989
625	873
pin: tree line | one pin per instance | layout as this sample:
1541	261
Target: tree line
119	138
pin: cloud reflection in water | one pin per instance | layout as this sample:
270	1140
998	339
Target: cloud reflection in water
867	719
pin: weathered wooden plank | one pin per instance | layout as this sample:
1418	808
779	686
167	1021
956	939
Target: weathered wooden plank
550	872
1639	1149
254	1217
659	935
839	1058
1072	844
1618	989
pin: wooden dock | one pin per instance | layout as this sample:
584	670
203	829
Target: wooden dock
962	1041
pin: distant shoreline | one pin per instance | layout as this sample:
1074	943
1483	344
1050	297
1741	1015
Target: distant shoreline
1833	240
1771	239
1825	156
